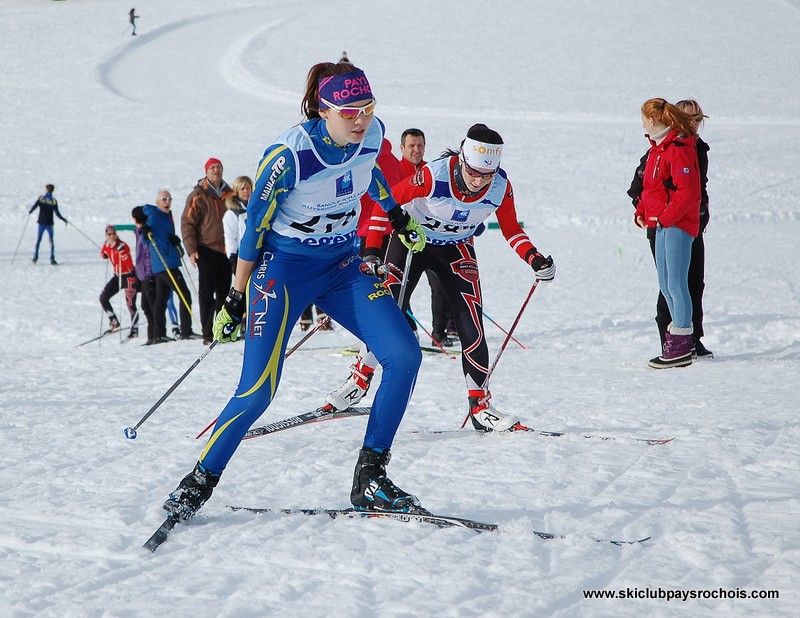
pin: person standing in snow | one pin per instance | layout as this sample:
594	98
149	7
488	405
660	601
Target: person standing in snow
166	259
144	273
204	238
298	249
451	197
118	253
696	277
669	203
443	329
132	17
48	206
234	219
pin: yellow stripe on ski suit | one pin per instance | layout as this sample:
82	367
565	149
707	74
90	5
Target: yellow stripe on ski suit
270	371
216	435
264	224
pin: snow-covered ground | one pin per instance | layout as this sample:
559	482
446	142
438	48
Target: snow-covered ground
110	119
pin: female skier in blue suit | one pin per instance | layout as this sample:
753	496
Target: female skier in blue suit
297	250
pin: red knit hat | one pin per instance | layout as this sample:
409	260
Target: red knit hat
212	161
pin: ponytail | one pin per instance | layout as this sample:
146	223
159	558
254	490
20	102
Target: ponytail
666	113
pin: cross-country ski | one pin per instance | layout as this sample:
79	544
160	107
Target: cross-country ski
442	521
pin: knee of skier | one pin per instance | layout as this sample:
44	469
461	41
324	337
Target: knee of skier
405	359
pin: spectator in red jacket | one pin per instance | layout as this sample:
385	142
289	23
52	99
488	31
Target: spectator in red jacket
670	203
119	254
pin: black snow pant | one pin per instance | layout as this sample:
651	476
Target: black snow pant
457	270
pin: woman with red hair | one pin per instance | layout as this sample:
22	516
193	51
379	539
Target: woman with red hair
670	203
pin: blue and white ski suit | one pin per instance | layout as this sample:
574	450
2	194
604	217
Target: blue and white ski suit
301	225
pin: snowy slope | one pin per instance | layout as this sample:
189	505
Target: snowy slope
110	119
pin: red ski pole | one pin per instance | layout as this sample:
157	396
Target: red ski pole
505	343
289	352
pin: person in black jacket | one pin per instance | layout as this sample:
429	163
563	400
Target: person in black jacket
697	264
48	206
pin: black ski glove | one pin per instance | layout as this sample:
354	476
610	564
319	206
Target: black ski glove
175	240
543	266
373	265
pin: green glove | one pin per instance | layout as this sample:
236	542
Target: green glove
410	231
226	324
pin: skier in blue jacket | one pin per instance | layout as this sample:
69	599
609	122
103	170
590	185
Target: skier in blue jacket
298	249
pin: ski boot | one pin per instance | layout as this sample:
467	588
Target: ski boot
483	415
191	493
354	389
373	491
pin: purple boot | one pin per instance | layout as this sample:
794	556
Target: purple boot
677	349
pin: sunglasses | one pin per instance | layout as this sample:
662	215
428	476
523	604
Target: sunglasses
165	199
111	233
471	171
350	112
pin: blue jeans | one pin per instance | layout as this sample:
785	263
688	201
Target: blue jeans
673	255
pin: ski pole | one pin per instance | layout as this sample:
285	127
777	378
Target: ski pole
291	351
130	432
406	272
172	278
122	298
438	345
24	227
188	276
322	323
102	311
77	229
523	346
505	343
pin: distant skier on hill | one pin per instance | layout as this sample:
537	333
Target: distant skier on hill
132	16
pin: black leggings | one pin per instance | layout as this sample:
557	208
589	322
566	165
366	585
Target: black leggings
130	285
457	270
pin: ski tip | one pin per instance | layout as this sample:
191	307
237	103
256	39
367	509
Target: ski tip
619	543
657	442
